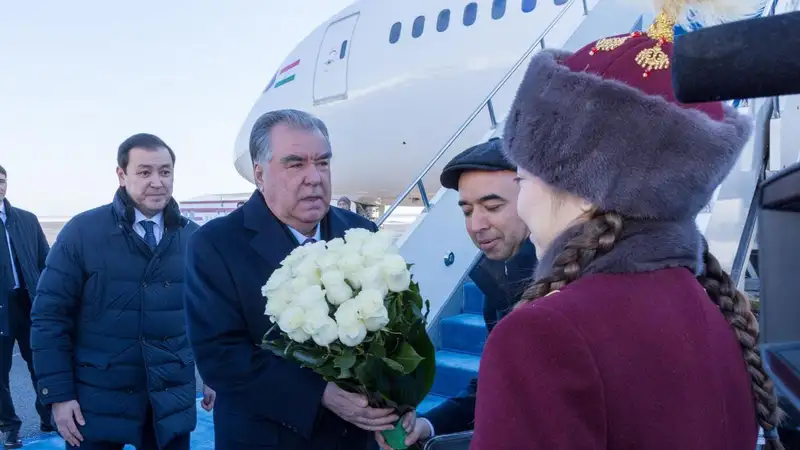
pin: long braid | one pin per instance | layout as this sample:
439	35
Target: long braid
598	236
736	309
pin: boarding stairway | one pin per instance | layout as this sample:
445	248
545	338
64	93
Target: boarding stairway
443	254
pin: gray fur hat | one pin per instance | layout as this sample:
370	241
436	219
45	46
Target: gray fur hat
604	125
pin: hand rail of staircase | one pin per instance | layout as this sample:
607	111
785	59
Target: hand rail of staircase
742	255
487	102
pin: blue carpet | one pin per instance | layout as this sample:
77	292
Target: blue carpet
202	438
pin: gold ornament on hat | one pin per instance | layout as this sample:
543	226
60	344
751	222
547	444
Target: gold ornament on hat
655	58
662	30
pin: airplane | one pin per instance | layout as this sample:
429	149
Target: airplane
394	80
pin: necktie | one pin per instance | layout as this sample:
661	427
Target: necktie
5	258
149	235
309	241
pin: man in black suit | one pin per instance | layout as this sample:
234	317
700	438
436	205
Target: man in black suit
264	401
23	250
487	188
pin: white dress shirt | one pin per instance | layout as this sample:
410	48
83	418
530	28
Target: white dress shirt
302	237
158	228
8	243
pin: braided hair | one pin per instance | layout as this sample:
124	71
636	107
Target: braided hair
598	236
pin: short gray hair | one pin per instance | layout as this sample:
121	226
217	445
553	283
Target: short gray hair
260	149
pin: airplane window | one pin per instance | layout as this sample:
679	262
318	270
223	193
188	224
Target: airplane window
528	5
470	13
394	33
560	2
498	9
443	20
343	50
418	27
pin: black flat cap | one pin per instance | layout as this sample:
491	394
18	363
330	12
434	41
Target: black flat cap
487	156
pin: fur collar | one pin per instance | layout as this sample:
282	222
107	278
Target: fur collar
644	246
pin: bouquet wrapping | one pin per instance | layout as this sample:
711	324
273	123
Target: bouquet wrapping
349	310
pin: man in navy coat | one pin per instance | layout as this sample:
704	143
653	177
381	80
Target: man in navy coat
264	401
23	249
108	334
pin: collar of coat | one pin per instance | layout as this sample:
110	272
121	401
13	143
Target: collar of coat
124	208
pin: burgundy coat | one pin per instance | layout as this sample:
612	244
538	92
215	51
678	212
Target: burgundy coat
641	361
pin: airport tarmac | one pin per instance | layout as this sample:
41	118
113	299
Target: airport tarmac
24	398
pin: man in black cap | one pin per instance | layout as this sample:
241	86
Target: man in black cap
487	188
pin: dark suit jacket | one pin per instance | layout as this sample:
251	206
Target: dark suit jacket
31	249
502	284
263	401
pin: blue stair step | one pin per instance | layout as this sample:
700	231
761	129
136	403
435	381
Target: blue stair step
473	299
454	370
430	402
464	333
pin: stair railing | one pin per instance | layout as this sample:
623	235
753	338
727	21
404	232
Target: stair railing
744	248
486	103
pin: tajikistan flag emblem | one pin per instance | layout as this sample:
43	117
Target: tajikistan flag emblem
285	75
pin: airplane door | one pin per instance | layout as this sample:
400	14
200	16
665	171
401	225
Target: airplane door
330	76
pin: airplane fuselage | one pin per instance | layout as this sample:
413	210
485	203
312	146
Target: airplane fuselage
394	79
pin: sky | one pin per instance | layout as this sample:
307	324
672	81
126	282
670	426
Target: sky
78	77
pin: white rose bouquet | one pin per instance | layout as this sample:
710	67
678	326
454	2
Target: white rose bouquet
349	310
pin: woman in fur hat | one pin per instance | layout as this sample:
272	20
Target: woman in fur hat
631	336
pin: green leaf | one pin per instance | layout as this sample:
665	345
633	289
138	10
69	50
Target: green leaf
377	348
345	361
344	374
407	358
371	375
328	371
394	365
414	292
275	347
308	358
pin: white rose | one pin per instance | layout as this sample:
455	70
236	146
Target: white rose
277	302
327	333
353	333
335	245
291	322
312	298
351	263
316	249
371	278
347	313
321	327
317	246
328	261
371	309
351	329
336	288
395	273
308	269
298	336
279	277
356	237
378	245
295	257
298	285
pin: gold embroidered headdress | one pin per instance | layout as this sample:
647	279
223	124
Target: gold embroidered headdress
646	55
